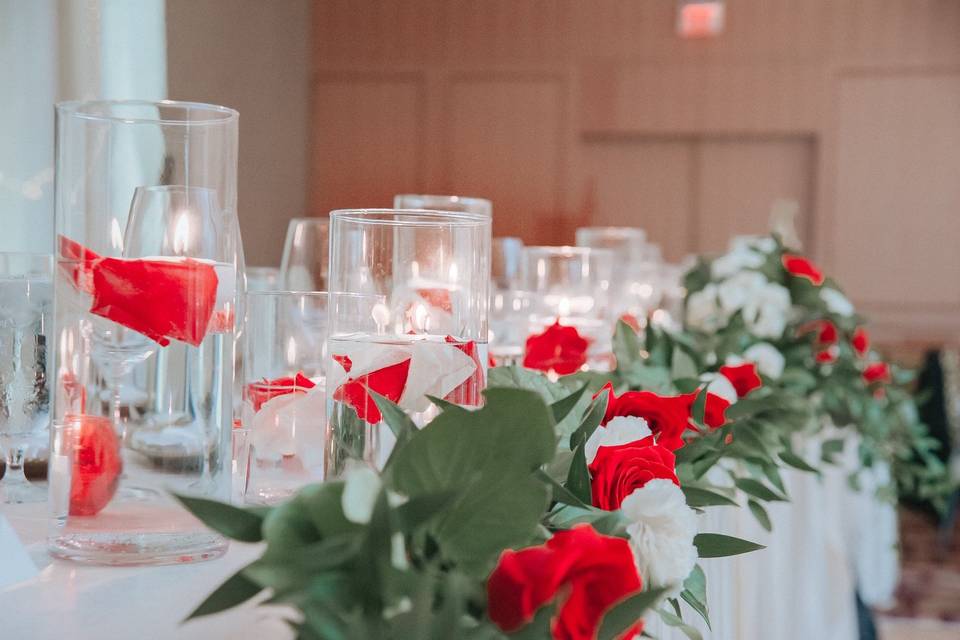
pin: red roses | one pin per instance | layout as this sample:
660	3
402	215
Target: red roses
617	471
861	341
743	377
667	416
877	372
802	268
586	573
559	349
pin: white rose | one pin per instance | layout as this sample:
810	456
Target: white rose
703	312
720	385
766	314
661	530
736	261
764	244
736	291
620	430
836	302
769	360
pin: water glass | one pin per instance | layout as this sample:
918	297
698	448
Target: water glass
479	206
428	335
26	300
263	278
306	254
283	392
505	254
571	286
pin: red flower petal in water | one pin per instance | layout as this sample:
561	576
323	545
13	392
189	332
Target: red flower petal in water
490	361
221	321
468	394
589	574
619	470
877	372
77	262
744	377
861	341
667	416
388	382
96	463
260	392
344	361
437	298
559	349
162	299
802	268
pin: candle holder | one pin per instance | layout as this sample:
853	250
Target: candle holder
428	335
570	287
148	256
479	206
283	392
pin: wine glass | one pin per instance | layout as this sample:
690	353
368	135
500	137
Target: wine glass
26	291
305	255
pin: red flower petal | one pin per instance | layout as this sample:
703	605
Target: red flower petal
559	349
77	262
344	361
667	416
802	268
260	392
617	471
715	411
388	382
468	394
744	377
159	298
631	321
861	341
828	355
437	298
877	372
96	463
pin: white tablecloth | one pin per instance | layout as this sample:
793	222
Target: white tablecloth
69	601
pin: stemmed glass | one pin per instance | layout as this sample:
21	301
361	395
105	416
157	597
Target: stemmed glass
26	291
306	253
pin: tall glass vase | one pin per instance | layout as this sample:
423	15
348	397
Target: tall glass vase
149	274
425	336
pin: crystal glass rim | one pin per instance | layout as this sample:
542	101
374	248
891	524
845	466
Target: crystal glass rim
566	251
621	232
83	109
410	217
317	219
450	197
291	293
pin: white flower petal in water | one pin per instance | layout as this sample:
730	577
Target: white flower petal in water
620	430
836	302
360	491
437	368
661	530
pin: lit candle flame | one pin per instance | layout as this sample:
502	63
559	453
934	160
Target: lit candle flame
116	235
181	233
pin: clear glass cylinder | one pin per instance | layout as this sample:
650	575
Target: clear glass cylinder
505	255
479	206
306	255
570	286
428	335
148	263
283	392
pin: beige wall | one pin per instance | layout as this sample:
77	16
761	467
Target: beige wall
566	112
254	56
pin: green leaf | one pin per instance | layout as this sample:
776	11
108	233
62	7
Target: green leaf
395	417
675	621
757	489
717	545
831	448
422	508
699	497
682	365
233	522
760	514
627	613
698	411
564	406
560	493
605	522
590	422
444	405
236	590
695	593
626	345
578	478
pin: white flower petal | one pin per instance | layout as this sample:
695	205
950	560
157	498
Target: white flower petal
721	386
620	430
360	491
836	302
769	360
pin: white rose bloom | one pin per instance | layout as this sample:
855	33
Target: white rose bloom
738	290
736	261
720	385
661	532
769	360
764	244
620	430
836	302
703	312
766	314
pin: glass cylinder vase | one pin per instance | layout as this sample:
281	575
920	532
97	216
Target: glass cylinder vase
428	335
479	206
148	256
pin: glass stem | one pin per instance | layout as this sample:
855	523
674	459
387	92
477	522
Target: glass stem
15	474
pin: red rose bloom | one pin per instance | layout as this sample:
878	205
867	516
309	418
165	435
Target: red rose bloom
744	377
560	349
260	392
619	470
877	372
861	341
800	267
828	355
388	382
96	463
715	410
588	573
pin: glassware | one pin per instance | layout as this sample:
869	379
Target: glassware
283	391
635	287
479	206
571	286
428	336
509	325
263	278
505	254
306	254
26	301
148	257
